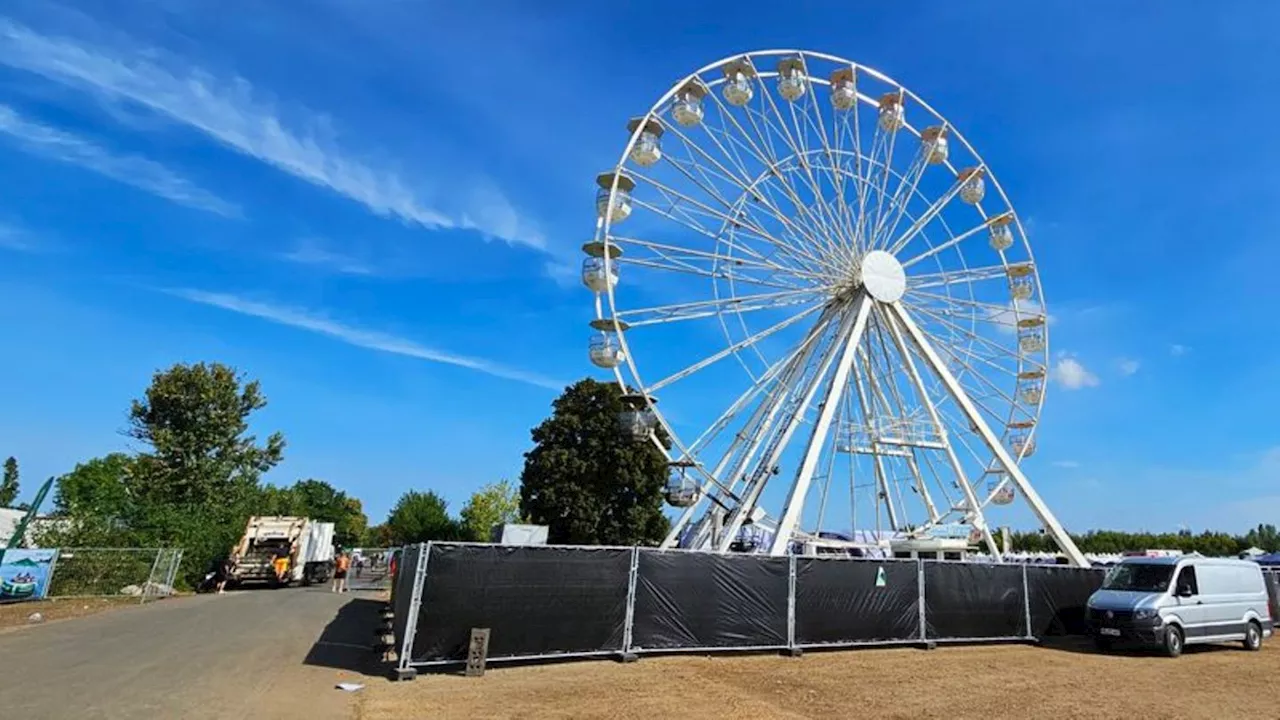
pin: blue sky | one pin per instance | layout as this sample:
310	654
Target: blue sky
374	207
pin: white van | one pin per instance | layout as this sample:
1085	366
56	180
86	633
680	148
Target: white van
1170	602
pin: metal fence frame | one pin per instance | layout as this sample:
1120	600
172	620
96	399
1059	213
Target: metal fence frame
421	554
162	573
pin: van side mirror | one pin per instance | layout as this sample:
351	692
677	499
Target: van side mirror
1185	591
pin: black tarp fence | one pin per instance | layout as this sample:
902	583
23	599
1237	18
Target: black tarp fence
553	601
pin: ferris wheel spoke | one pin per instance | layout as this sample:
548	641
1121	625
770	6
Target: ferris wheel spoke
824	233
768	160
990	310
774	379
841	213
888	140
956	277
688	222
743	181
996	389
795	250
830	220
908	182
705	308
688	204
675	266
862	181
926	217
686	258
986	224
748	342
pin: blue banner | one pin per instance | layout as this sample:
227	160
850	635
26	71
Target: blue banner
25	574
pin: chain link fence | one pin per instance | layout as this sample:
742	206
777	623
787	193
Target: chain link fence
145	573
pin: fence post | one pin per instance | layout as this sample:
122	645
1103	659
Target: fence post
403	671
629	619
791	605
148	584
53	568
1026	601
173	569
924	635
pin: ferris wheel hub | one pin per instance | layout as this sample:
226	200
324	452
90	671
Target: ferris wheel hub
883	276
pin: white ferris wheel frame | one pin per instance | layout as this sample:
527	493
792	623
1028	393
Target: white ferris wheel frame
905	334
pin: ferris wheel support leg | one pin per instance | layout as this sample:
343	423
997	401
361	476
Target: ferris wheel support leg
1038	506
976	517
840	379
778	438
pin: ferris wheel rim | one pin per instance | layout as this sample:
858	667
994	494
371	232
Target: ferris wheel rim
605	223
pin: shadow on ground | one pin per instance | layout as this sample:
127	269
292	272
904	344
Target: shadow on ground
1084	646
347	641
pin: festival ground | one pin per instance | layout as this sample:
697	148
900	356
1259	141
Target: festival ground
996	681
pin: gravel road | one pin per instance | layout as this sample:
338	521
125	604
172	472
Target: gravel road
256	653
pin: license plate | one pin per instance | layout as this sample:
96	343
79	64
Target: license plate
1109	631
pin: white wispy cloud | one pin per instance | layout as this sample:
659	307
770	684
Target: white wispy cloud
1068	464
312	253
148	175
359	337
1128	366
1071	374
233	113
1176	350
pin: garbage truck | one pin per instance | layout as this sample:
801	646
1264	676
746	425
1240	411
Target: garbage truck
307	545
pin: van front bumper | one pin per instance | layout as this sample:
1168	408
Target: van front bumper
1121	625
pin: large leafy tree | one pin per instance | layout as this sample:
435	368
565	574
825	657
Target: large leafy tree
197	479
420	517
491	505
589	482
9	483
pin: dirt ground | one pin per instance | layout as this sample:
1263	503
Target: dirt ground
16	614
1063	681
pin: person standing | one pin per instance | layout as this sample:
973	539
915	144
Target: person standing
225	569
340	565
281	566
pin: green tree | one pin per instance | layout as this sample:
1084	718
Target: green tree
9	484
197	480
318	500
92	505
420	517
587	481
378	536
1265	537
491	505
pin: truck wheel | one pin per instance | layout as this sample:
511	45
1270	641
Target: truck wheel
1253	636
1173	641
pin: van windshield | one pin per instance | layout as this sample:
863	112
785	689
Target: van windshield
1139	577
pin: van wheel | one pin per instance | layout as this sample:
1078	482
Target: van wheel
1253	636
1173	641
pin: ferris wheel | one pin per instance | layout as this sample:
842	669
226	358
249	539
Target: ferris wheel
814	285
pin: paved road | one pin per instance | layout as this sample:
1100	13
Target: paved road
256	653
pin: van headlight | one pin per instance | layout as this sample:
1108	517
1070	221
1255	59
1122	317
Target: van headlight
1145	614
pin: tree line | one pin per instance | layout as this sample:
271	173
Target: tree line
197	476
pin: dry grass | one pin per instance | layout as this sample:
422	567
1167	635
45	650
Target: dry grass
13	615
1004	681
